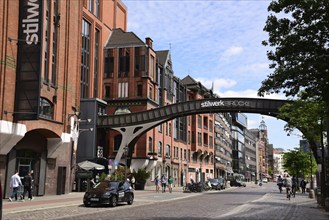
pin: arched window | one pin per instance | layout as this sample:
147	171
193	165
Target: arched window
167	150
160	148
46	109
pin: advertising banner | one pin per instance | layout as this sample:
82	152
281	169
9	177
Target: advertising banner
28	74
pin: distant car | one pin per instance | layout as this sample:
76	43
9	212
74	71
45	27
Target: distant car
237	183
221	182
265	180
109	193
214	184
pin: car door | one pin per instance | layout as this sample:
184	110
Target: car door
121	192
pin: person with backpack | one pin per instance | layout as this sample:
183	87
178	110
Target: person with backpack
163	183
170	183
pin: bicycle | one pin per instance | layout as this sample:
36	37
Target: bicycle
288	192
280	187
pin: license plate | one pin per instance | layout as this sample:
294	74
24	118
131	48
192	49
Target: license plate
94	199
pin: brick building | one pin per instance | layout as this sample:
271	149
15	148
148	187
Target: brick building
46	68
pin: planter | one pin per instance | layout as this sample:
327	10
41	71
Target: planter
140	185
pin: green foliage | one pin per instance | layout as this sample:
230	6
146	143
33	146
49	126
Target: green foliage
102	177
299	163
298	32
141	175
305	116
119	174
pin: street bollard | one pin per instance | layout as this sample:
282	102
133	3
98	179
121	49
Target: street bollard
311	193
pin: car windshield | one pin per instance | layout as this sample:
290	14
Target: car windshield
220	180
107	185
213	180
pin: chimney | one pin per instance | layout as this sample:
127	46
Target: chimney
149	42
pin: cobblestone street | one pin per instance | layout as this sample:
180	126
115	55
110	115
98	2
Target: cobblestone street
251	202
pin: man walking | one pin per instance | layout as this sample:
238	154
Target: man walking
15	182
28	185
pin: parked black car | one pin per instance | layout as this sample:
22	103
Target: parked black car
214	184
221	183
237	183
109	193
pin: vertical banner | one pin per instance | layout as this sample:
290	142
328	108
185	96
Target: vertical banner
28	75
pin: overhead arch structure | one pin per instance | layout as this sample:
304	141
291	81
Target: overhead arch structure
133	125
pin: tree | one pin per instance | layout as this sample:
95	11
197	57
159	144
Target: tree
299	38
304	115
299	163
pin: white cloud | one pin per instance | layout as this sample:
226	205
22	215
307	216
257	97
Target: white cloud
231	52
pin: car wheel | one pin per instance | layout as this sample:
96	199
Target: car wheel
113	201
130	199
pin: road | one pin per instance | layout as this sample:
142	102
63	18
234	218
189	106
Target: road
251	202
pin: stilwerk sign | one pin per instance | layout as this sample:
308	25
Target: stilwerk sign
28	72
225	103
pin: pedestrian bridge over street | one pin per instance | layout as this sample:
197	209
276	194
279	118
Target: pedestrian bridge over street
133	125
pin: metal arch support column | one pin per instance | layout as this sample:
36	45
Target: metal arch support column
129	133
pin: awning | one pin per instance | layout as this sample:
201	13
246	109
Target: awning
87	165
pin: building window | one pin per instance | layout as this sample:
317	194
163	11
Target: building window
160	148
54	52
91	5
150	92
139	90
46	109
109	64
139	61
167	150
210	126
97	8
46	42
107	92
189	137
160	128
96	63
123	90
150	145
117	142
199	139
85	59
199	121
124	62
152	67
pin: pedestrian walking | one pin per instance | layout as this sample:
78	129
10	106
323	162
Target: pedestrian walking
163	183
28	186
132	181
303	185
170	183
157	184
15	183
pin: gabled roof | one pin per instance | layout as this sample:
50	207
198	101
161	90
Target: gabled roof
119	38
162	56
188	80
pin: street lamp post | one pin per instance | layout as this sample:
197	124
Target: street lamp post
200	170
126	155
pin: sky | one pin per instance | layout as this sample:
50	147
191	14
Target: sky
216	42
